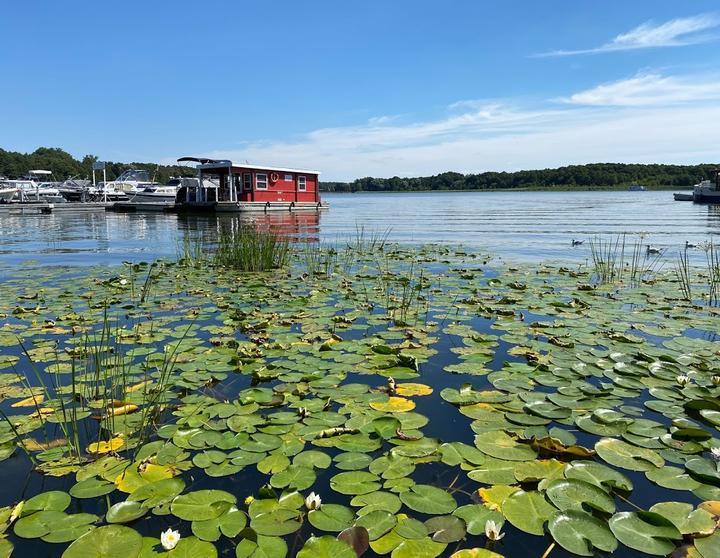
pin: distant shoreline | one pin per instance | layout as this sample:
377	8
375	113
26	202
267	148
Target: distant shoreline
528	189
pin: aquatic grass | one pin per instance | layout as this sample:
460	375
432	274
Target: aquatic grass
620	260
319	259
712	268
364	242
190	253
682	274
251	249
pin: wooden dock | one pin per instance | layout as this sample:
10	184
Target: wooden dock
44	207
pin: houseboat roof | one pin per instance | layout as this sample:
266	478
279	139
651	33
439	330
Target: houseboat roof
205	163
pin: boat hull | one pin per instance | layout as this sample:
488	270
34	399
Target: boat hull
250	207
7	194
143	197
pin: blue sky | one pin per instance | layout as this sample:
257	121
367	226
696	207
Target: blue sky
355	88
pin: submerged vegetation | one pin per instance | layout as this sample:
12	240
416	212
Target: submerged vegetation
361	399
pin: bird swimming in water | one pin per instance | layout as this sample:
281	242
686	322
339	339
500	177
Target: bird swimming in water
689	245
651	250
577	242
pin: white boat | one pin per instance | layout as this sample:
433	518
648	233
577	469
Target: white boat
158	194
34	189
7	193
130	182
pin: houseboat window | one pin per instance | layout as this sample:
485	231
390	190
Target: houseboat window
247	181
261	181
288	178
302	183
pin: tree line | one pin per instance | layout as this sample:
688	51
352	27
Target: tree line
592	176
63	165
587	177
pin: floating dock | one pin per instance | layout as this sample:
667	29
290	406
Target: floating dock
44	207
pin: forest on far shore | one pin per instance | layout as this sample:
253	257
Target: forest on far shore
596	176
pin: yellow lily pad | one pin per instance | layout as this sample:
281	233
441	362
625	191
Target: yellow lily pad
494	496
393	405
410	389
106	447
132	479
29	401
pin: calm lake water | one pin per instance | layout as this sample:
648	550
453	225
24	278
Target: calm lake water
518	226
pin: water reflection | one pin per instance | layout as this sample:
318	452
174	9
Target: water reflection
298	226
521	226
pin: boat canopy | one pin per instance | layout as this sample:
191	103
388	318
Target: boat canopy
202	160
134	175
45	172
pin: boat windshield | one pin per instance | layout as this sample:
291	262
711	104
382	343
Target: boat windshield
134	175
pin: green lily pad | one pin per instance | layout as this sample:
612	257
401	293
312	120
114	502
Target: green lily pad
261	547
645	531
92	488
331	517
377	523
191	547
528	511
575	494
500	445
111	541
687	519
124	512
581	533
476	516
428	499
326	547
202	505
355	482
621	454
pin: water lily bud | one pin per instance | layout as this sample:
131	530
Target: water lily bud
715	380
313	501
715	453
249	500
493	530
169	539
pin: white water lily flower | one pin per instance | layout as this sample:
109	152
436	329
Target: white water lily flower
313	501
493	530
715	452
683	379
169	539
715	380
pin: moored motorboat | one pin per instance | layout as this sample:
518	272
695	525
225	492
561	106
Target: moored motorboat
157	193
708	191
7	193
679	196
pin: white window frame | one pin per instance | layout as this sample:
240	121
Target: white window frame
302	184
259	181
247	181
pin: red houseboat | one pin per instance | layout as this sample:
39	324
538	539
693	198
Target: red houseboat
226	186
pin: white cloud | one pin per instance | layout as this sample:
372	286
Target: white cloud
676	32
650	89
504	137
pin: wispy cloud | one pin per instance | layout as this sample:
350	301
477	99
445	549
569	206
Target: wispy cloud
641	119
680	31
650	89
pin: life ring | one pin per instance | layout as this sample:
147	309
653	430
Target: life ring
274	177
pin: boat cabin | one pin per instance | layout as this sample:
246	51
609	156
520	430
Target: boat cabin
246	183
